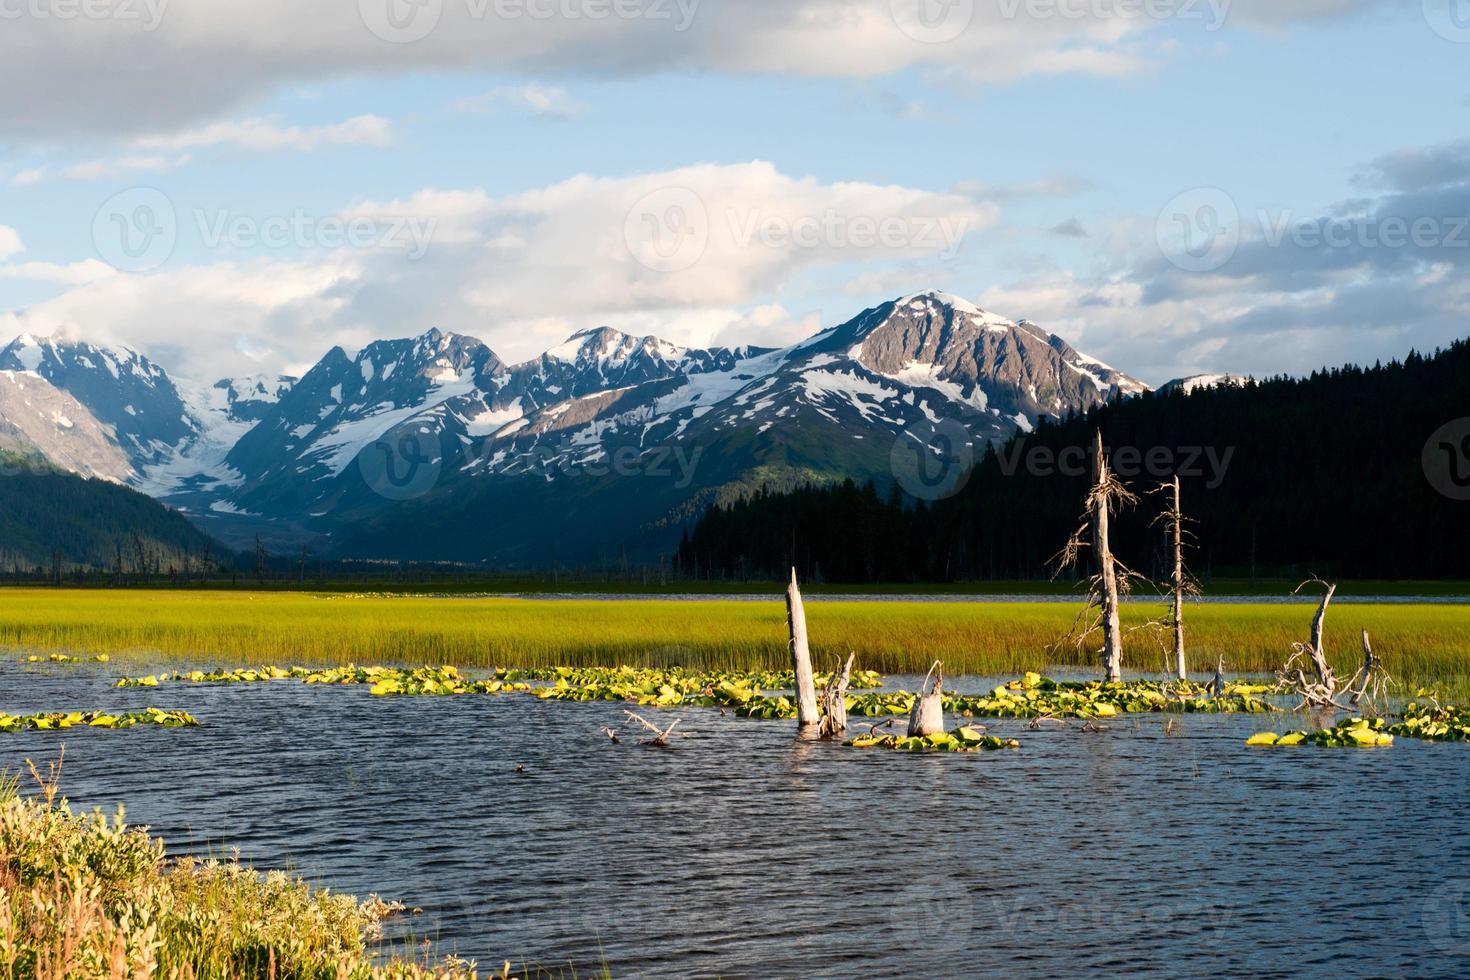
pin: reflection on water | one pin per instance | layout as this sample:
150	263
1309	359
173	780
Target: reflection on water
743	852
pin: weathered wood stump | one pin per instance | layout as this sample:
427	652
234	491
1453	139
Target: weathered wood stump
927	716
807	712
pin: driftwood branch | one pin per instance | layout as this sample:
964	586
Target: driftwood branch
807	714
660	735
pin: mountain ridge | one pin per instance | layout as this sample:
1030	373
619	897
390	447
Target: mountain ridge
349	441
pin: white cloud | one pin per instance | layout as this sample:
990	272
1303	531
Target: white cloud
26	178
70	274
121	166
266	134
120	75
10	243
544	102
525	270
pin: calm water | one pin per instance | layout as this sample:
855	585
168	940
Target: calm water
741	852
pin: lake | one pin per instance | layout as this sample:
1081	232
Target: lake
1158	845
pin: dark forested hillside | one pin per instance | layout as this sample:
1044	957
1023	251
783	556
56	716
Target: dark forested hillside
1334	473
49	518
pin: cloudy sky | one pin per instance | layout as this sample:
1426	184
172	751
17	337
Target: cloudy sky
1173	185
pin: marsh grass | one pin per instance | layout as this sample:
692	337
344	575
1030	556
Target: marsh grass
82	895
1421	645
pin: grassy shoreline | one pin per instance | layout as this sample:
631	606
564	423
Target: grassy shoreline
1420	644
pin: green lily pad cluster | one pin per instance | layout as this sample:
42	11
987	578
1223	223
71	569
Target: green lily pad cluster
63	658
675	676
385	681
675	687
422	682
962	739
1348	733
1034	696
96	719
1434	723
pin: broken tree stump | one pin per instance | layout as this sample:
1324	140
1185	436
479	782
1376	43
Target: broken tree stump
927	716
834	701
807	713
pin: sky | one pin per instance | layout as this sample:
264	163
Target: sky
1174	186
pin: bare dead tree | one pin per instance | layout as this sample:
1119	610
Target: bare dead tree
1112	578
927	715
1181	583
1320	689
834	701
807	713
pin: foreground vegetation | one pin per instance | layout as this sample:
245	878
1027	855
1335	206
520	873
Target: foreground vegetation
1421	645
85	896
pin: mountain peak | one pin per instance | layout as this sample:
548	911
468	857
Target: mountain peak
941	298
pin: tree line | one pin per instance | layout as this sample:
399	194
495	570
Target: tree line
1328	473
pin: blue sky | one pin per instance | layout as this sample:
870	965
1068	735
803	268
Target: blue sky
497	168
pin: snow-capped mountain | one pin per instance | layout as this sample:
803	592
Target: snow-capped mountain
1196	382
38	418
122	389
248	399
516	451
